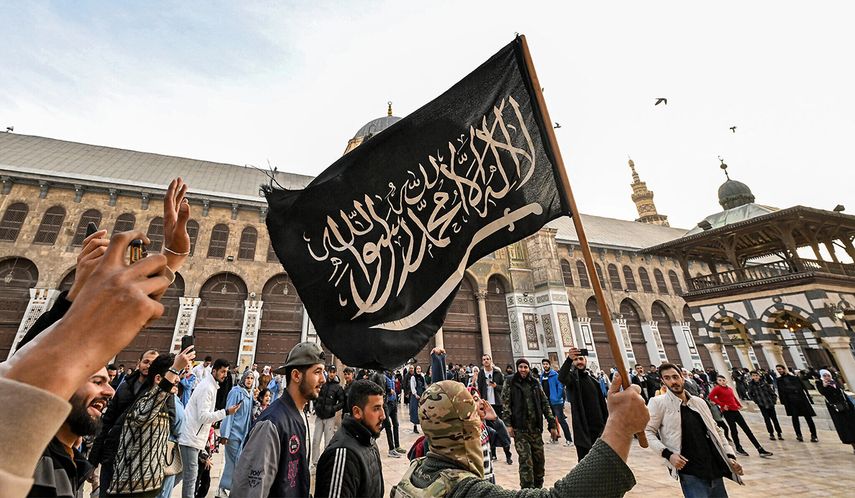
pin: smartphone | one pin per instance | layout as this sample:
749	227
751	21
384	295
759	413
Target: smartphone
91	228
187	341
137	250
583	352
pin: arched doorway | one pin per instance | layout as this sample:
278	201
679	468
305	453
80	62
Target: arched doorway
734	334
17	277
219	319
498	323
158	335
598	334
661	315
798	331
281	321
461	332
629	310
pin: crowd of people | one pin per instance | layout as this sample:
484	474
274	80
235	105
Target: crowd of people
143	431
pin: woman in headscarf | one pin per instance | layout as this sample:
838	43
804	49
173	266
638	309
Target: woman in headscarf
234	429
839	407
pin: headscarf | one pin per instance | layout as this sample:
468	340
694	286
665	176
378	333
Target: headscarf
243	377
823	372
451	424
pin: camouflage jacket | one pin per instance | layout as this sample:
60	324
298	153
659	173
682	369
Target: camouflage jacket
525	405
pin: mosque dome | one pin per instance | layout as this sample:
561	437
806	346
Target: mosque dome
733	194
375	126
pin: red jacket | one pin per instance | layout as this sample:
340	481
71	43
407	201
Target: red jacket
725	398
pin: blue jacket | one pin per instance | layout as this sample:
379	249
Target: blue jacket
237	426
390	388
556	388
188	383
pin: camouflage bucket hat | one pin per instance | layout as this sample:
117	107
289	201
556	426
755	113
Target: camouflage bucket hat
451	424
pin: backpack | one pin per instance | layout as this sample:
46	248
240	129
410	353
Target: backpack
419	449
440	488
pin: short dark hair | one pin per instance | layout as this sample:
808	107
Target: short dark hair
209	358
160	365
721	377
546	360
669	366
360	391
111	366
348	370
220	363
755	372
782	366
121	365
261	393
302	369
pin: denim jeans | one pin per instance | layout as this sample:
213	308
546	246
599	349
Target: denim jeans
558	412
190	470
695	487
168	484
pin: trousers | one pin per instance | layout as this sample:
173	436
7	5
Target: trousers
529	447
324	427
798	427
390	425
189	471
734	418
695	487
771	419
558	411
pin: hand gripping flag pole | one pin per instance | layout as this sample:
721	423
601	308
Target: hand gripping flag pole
617	353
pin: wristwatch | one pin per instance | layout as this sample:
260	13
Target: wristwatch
176	372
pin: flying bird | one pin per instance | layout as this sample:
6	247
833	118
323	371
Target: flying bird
661	100
557	125
733	129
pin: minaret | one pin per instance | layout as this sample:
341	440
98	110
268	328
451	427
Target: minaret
643	199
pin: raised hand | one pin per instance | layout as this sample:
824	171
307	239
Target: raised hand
176	212
94	247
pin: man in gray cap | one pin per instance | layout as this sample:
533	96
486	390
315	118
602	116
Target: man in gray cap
275	459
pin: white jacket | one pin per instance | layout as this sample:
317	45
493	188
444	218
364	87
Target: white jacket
199	414
665	430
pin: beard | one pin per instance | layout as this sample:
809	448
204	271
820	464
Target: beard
676	389
307	391
80	421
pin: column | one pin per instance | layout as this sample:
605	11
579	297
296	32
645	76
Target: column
482	319
839	347
185	321
744	358
773	352
439	340
249	332
40	301
653	343
717	359
622	331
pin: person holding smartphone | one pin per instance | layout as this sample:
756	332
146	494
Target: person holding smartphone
587	403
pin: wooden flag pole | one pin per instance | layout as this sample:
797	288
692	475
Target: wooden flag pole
593	276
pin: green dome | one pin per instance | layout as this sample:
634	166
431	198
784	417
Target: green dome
733	194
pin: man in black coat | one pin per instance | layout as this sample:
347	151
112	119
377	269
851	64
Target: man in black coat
793	396
350	464
588	406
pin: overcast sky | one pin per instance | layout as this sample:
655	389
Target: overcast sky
291	82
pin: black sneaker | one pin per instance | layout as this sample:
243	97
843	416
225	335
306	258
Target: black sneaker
510	460
813	439
772	437
764	453
780	437
799	439
741	452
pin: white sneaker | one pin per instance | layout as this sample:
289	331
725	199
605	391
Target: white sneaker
568	443
222	493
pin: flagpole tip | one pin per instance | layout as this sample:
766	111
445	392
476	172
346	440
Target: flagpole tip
389	109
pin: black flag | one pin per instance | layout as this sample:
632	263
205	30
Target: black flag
378	243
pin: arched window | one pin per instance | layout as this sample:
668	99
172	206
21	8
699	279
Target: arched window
583	274
629	278
614	278
660	281
125	222
566	273
600	275
675	282
155	235
89	216
193	232
12	220
645	279
50	226
271	254
219	240
248	238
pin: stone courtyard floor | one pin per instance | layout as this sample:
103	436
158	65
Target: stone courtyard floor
826	468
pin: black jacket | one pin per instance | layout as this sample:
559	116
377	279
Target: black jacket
525	405
350	464
330	400
792	394
498	379
761	393
57	474
589	412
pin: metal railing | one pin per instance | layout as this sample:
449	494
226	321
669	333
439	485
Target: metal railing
756	273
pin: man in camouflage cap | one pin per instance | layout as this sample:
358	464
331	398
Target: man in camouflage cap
275	458
453	466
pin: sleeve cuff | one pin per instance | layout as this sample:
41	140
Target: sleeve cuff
666	453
